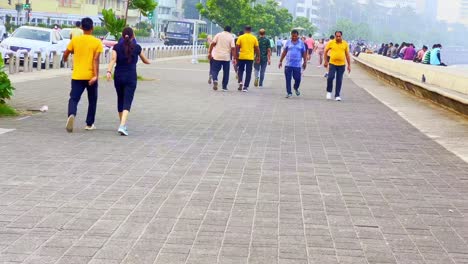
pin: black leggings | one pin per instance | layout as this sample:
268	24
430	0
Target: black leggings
125	91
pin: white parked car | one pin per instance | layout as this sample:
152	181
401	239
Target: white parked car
34	39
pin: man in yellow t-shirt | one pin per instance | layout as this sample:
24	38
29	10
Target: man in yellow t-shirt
86	51
77	31
339	52
247	48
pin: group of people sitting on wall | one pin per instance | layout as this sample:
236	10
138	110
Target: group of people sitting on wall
407	51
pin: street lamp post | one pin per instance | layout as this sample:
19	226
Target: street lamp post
195	40
194	44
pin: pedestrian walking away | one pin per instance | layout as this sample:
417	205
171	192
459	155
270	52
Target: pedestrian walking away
310	42
265	58
221	50
247	47
295	52
339	58
86	51
125	57
234	59
279	45
76	31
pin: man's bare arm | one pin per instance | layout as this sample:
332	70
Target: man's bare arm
65	55
285	51
212	45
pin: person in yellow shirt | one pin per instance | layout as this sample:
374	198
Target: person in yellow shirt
86	51
77	31
339	52
247	48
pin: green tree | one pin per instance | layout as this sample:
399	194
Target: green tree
144	6
303	22
113	24
238	13
351	31
274	19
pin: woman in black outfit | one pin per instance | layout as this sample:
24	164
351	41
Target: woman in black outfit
125	56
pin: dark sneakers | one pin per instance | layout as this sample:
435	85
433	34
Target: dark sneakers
215	85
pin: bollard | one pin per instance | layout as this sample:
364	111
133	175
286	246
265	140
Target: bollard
31	62
102	59
109	54
17	62
11	61
47	61
55	60
153	53
24	53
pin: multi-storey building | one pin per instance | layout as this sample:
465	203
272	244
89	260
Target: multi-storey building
302	8
69	11
453	11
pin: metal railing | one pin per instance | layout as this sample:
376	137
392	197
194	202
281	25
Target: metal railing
24	61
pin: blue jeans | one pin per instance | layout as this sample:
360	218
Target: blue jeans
216	67
332	71
292	72
260	71
77	89
245	65
210	72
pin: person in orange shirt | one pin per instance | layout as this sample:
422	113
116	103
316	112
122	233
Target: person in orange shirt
339	58
86	51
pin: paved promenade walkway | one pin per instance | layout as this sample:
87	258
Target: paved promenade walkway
211	177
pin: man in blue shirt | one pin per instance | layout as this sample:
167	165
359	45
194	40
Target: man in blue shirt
296	54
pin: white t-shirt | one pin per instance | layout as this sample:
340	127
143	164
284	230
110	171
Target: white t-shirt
224	43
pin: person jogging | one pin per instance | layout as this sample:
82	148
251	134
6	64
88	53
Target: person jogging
125	56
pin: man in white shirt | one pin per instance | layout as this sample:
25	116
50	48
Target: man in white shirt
222	49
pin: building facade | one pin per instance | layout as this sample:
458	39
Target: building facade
453	11
69	11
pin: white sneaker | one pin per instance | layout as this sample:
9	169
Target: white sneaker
338	98
329	96
91	127
70	121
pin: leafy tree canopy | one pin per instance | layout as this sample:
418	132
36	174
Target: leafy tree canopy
144	6
238	13
305	24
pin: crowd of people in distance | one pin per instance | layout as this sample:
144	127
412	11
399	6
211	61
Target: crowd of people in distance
407	51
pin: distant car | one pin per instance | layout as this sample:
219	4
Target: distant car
36	39
109	41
